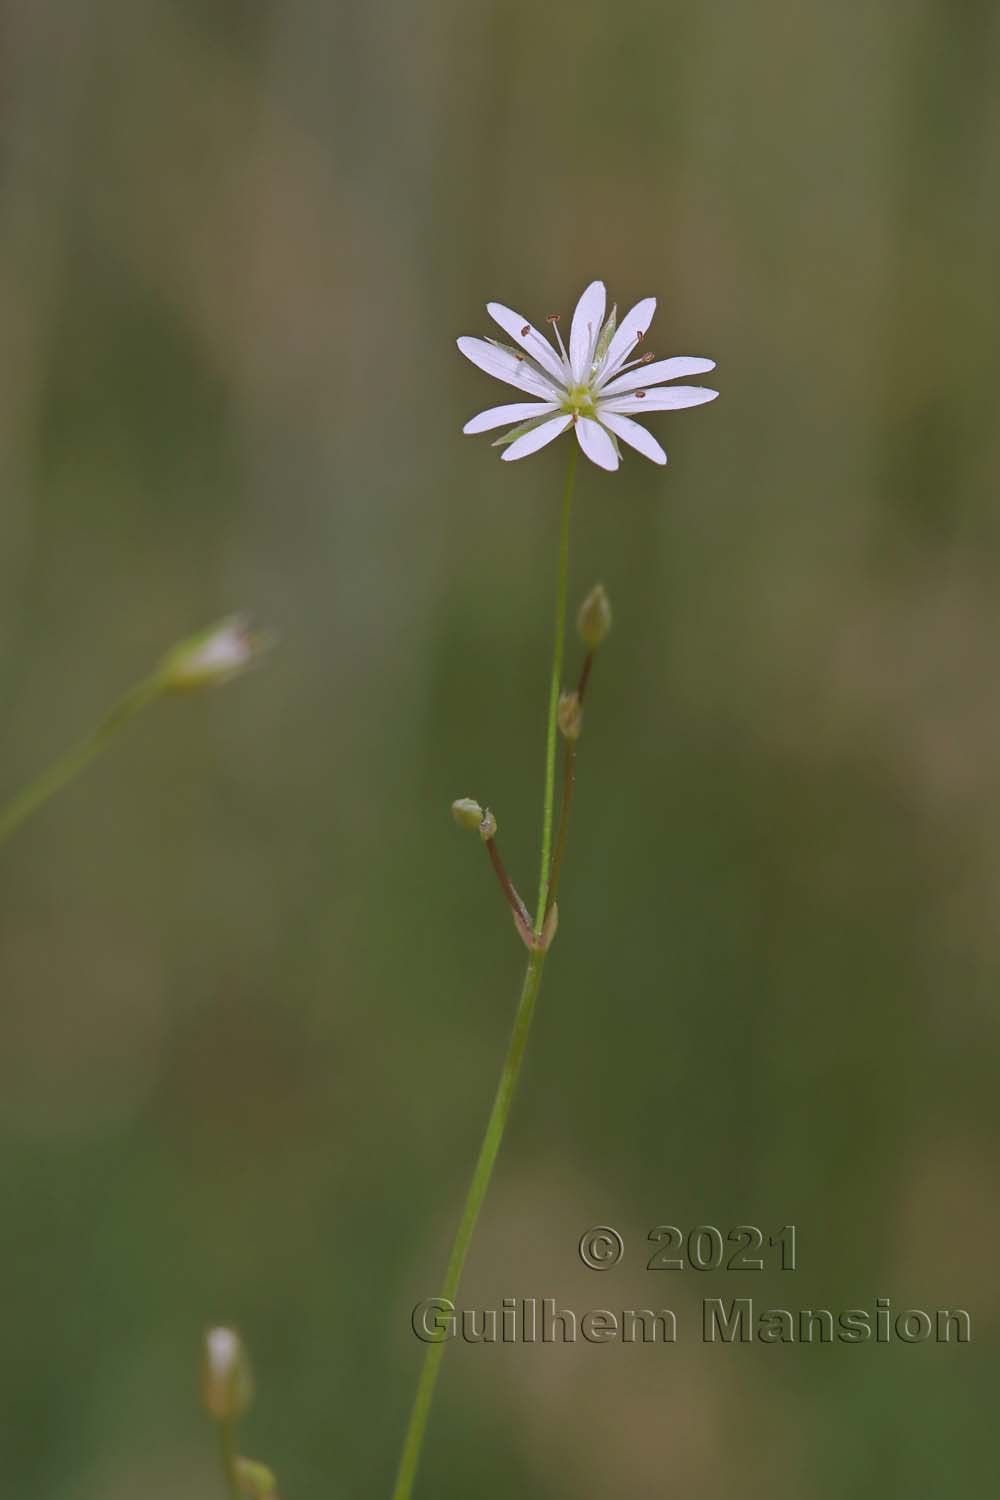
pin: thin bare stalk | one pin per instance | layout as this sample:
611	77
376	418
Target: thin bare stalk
522	916
78	759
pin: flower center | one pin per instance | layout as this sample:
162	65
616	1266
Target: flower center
579	401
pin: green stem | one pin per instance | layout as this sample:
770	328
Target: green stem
76	760
552	738
500	1112
470	1213
227	1451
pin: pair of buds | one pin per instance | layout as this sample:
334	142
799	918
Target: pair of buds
226	1394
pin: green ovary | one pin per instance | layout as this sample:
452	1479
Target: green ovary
579	401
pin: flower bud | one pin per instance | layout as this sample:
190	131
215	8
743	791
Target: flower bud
570	715
226	1381
467	814
211	658
255	1480
593	620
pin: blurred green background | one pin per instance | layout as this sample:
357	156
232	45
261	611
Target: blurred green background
254	986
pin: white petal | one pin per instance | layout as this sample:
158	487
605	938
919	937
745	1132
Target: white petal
637	437
655	373
667	398
536	438
586	329
596	444
635	323
504	366
532	342
498	416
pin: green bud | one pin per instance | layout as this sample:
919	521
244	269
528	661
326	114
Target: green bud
212	657
467	814
255	1480
606	335
570	715
593	620
226	1381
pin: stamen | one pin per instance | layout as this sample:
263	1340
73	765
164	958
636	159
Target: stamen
639	394
613	371
553	318
519	357
544	354
623	362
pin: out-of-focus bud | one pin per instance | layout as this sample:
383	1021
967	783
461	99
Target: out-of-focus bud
488	826
467	814
226	1381
255	1480
570	715
593	619
213	657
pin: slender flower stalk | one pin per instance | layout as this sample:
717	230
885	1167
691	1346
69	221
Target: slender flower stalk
227	1456
520	913
206	660
500	1113
69	766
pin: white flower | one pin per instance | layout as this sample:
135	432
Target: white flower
593	387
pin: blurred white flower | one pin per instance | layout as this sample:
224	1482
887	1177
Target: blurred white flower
226	1381
213	657
595	386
